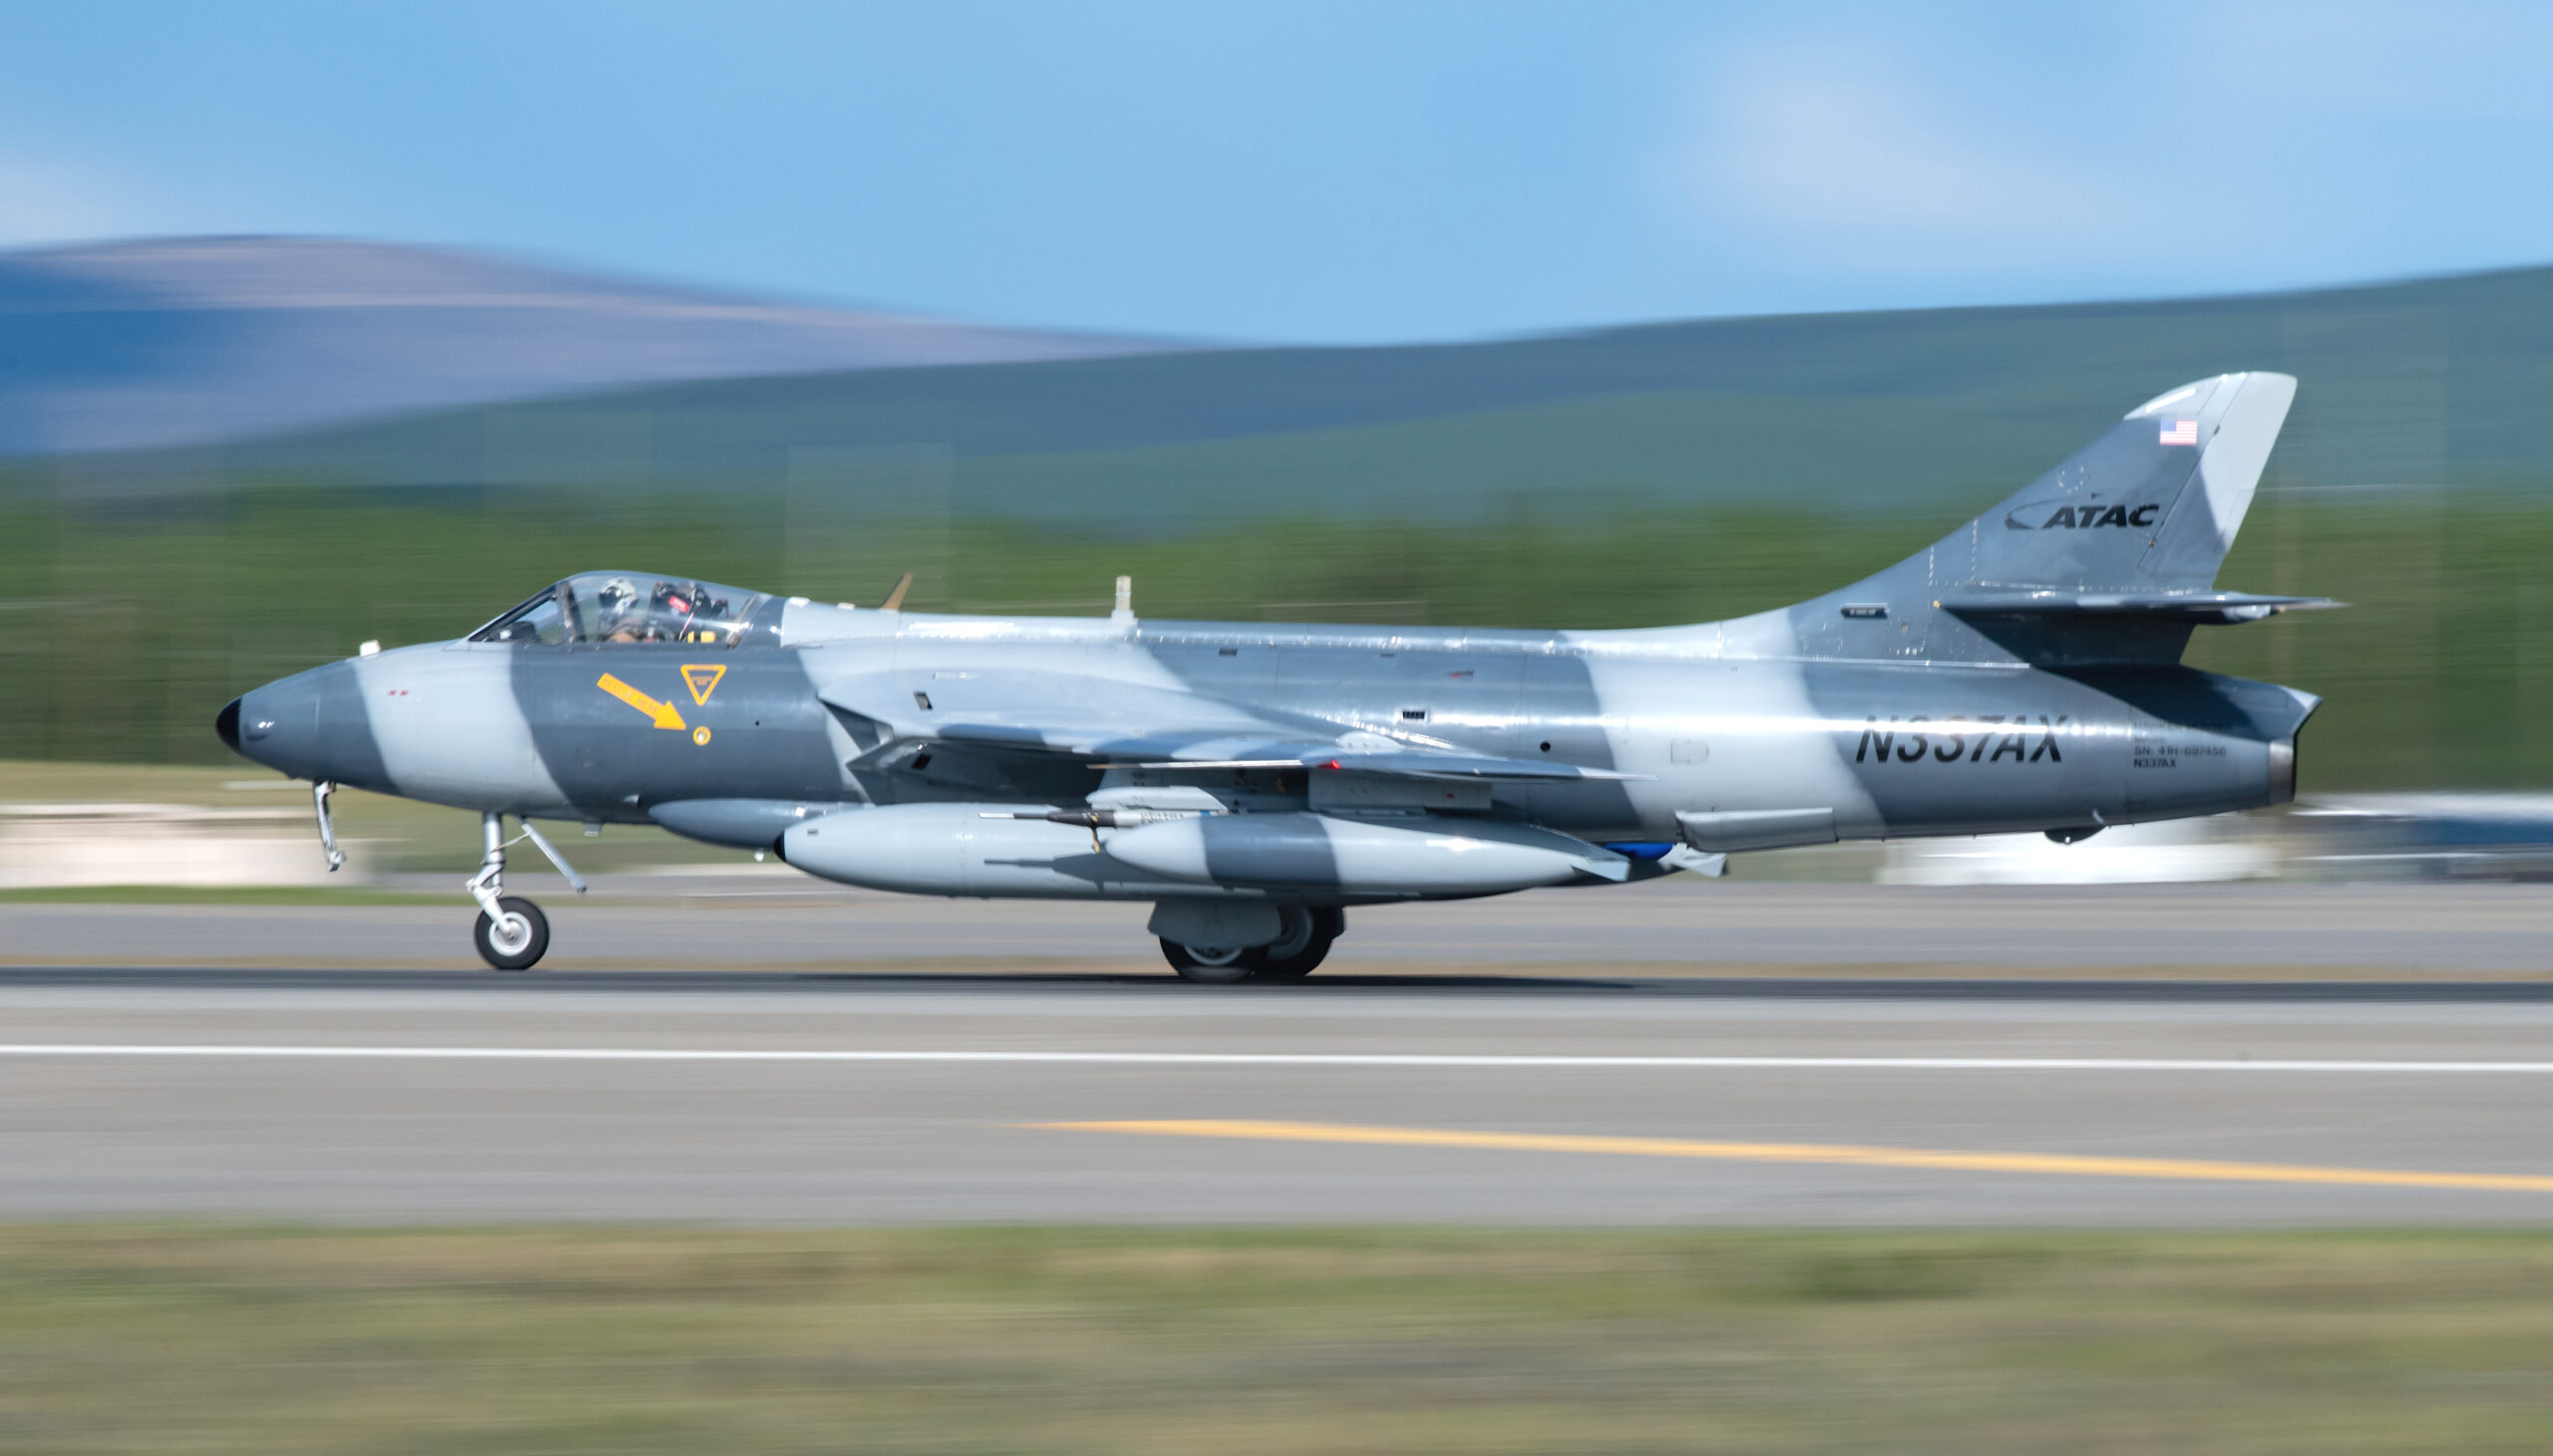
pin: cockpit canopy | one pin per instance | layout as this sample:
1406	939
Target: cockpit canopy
614	609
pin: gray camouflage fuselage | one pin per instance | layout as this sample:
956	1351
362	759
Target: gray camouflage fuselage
2022	674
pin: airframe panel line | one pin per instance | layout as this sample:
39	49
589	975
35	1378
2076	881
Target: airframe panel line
1842	1154
1262	1059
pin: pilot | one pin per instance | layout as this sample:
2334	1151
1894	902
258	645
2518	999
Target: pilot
619	614
708	621
720	615
669	609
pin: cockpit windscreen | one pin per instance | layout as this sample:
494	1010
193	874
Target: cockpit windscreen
611	609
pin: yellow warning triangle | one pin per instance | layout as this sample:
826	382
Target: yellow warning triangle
702	680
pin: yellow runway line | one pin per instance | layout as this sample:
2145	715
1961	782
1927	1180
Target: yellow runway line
1842	1154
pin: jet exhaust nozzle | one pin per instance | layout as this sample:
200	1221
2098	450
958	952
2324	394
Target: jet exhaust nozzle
2283	771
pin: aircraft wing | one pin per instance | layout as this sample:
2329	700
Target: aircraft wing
1052	712
1138	725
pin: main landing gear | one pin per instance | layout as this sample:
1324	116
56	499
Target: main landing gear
1295	953
512	934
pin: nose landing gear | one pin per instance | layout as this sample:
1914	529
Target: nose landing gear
512	934
514	937
319	792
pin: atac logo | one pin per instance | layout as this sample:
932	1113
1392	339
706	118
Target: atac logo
2065	516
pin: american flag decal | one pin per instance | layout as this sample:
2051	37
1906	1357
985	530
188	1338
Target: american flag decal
2180	431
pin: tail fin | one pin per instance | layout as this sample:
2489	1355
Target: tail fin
2152	504
2112	556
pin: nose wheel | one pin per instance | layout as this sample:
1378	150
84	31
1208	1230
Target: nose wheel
516	936
512	934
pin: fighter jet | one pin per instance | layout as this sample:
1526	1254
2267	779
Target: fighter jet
1256	782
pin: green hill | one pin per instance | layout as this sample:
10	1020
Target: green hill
2425	382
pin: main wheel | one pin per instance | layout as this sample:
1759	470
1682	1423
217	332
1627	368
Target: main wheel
1297	953
514	940
1217	965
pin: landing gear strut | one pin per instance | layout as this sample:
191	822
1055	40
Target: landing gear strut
319	792
1297	949
512	934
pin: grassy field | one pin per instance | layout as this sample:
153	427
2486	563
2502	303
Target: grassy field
124	1339
400	835
241	894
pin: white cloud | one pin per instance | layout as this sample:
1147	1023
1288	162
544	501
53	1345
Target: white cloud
2423	61
1829	155
46	201
2174	145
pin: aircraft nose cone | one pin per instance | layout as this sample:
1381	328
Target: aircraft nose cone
276	725
311	725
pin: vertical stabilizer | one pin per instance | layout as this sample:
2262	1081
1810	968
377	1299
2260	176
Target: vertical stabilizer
2247	412
2153	503
2104	558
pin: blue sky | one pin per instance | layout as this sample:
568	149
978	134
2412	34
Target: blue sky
1300	171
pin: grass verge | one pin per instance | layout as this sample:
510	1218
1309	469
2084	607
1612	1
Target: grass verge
250	895
121	1337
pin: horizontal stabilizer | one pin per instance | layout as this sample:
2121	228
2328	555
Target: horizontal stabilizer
2196	607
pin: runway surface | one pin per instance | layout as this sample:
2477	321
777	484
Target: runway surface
773	919
1529	1098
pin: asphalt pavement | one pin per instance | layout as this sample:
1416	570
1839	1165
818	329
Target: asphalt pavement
894	1097
745	1047
770	917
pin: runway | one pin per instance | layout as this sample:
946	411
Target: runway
772	918
1586	1098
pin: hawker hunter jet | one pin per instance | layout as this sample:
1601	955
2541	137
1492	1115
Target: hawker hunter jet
1255	782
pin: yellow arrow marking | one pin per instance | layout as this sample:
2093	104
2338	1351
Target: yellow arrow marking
665	714
702	679
2058	1163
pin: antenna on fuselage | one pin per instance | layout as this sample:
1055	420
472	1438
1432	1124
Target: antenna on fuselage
895	600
